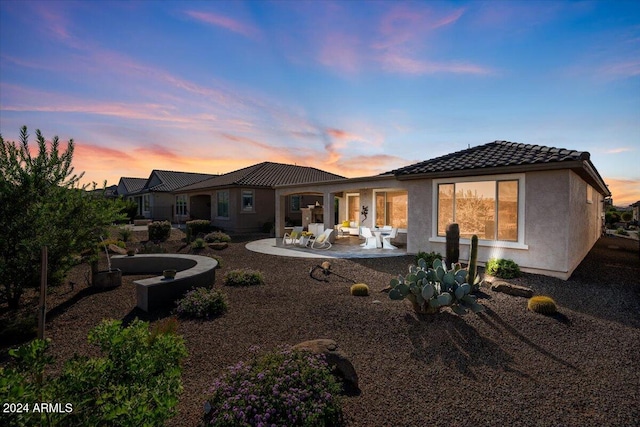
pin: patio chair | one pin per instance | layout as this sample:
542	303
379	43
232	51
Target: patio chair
293	238
321	241
386	239
369	238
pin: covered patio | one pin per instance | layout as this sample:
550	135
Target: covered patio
348	205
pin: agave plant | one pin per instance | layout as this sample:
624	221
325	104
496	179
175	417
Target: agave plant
430	289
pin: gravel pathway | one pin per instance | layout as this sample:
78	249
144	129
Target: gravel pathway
504	367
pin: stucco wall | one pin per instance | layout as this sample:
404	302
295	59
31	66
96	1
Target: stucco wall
584	221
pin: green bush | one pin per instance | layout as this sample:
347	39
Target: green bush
135	383
104	243
198	244
159	231
198	226
283	388
503	268
428	257
243	277
621	231
125	234
18	329
217	236
202	303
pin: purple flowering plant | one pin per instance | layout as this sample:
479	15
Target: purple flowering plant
201	303
281	388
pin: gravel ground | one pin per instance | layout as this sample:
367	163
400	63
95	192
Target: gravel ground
504	367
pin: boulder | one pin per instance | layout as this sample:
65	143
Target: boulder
117	249
511	289
341	366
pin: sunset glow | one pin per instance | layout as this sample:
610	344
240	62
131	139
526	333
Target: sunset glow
353	88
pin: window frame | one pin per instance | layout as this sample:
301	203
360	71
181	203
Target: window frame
519	177
252	207
293	197
181	202
375	205
218	204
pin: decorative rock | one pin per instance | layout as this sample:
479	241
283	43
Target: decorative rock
511	289
376	301
117	249
218	245
336	358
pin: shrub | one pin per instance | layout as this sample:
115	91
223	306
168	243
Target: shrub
542	304
202	303
199	226
135	382
217	236
283	387
621	231
18	329
104	243
159	231
243	277
198	244
125	234
428	257
360	290
503	268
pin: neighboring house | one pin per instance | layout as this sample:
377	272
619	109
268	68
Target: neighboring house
539	206
636	211
244	200
154	195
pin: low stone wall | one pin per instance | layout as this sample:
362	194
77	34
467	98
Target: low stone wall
157	292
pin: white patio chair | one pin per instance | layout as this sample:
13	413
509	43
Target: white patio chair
321	241
293	238
369	238
386	239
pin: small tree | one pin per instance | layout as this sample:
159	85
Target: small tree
42	203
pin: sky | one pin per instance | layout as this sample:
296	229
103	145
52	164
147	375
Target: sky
356	88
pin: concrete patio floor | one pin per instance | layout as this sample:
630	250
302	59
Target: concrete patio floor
342	248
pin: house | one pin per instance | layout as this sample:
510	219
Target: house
154	195
244	200
636	211
539	206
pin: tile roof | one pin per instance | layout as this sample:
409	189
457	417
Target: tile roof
491	155
171	181
133	185
267	174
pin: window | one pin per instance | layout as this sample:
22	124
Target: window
391	209
223	203
295	202
353	207
488	209
589	194
247	201
181	205
146	203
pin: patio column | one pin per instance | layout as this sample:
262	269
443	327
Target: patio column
328	214
280	213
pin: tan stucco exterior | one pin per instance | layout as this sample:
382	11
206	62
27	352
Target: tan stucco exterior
557	225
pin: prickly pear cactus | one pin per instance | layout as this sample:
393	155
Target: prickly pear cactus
430	289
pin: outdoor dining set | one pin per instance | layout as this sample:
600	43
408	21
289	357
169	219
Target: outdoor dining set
375	238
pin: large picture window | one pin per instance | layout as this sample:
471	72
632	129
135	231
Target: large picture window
488	209
223	203
391	209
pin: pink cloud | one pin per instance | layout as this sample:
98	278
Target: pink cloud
225	22
619	150
629	68
395	62
341	51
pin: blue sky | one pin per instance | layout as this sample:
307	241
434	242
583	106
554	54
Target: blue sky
352	87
